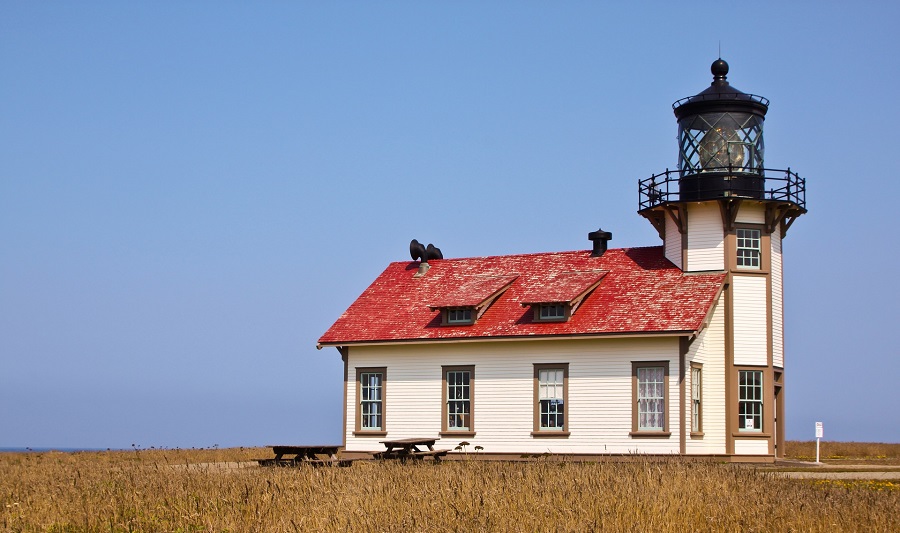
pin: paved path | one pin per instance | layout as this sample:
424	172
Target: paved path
833	471
840	475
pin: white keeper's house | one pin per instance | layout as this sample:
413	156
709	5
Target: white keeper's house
671	349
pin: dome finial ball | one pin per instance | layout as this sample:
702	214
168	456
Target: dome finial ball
719	68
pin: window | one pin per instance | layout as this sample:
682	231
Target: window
550	400
696	398
459	316
552	312
750	400
458	393
748	248
650	391
370	400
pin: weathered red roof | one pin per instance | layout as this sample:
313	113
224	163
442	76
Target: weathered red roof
472	291
640	292
560	286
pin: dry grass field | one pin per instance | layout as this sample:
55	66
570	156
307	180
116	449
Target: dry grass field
216	490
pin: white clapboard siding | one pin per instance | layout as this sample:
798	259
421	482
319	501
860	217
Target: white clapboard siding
777	301
705	239
750	331
673	242
751	446
751	214
600	394
709	350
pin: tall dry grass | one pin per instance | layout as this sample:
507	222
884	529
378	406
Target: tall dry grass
186	491
846	452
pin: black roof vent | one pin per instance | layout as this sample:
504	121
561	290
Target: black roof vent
599	238
418	251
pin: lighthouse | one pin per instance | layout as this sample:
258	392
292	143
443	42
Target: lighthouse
722	210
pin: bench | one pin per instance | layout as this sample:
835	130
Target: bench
311	455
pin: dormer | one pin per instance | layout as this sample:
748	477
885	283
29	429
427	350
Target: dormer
473	295
556	299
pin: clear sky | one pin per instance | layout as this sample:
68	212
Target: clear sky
192	192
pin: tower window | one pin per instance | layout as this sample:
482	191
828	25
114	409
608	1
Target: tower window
750	400
748	248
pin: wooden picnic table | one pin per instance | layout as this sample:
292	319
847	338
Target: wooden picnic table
307	454
404	449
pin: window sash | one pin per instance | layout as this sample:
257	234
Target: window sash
458	316
551	399
750	400
371	400
748	248
550	311
651	398
459	406
696	399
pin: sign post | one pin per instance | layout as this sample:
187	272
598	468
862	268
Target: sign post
820	433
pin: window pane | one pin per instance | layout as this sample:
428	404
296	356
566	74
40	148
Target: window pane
370	400
651	398
550	394
750	405
748	248
458	399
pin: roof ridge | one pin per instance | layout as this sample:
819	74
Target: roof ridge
534	254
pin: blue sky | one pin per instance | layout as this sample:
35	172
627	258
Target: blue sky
191	193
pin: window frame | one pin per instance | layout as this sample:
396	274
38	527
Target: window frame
741	389
360	430
446	430
539	431
738	248
696	399
636	430
538	309
450	311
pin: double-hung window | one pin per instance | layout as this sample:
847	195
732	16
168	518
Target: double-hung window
650	386
371	402
458	384
748	248
550	399
750	400
696	398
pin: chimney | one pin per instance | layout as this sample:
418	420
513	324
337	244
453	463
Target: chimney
599	238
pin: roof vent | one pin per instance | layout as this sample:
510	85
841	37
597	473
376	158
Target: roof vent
599	238
419	251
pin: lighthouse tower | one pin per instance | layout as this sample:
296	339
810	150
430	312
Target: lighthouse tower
722	210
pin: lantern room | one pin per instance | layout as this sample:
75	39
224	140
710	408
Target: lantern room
721	157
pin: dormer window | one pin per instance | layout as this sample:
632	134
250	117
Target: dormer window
470	297
459	316
556	297
554	311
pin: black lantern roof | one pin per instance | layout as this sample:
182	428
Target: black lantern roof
720	96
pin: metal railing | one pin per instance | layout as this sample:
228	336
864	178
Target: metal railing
746	97
762	184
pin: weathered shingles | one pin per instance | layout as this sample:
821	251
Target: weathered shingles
641	292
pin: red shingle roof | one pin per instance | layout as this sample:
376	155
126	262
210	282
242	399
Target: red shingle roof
472	291
640	292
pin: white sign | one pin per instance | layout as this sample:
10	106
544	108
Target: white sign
748	423
820	431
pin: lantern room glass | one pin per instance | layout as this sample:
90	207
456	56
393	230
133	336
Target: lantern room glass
719	142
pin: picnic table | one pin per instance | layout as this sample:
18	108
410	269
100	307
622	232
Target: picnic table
404	449
315	455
